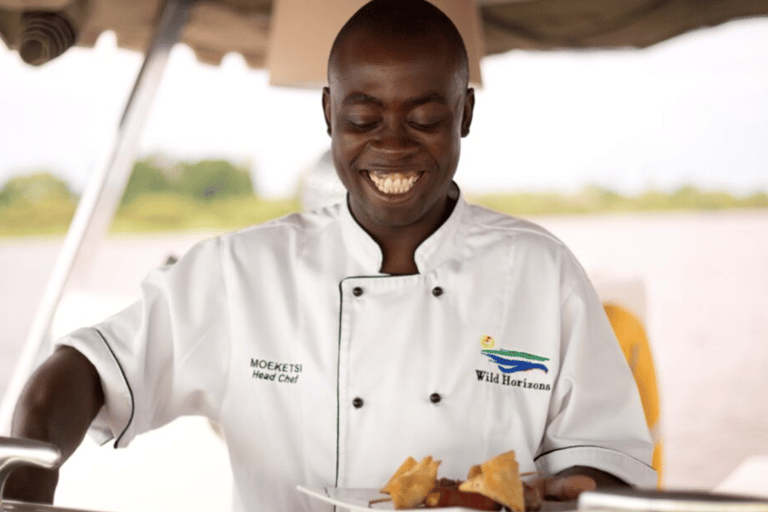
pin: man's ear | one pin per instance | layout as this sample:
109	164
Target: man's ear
327	108
469	108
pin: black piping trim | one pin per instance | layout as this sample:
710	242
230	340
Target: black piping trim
125	378
338	368
338	383
593	446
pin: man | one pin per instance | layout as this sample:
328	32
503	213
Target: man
331	345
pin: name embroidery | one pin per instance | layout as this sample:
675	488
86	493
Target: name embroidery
507	380
288	373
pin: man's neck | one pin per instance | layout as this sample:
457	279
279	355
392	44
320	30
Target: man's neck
398	245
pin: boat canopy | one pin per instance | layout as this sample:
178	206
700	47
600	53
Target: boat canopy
218	27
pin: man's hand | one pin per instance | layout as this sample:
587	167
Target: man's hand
569	484
34	485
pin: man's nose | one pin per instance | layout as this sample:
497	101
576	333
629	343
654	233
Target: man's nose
394	140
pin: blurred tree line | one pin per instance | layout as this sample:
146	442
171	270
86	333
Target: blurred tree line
159	196
595	199
204	181
220	195
38	203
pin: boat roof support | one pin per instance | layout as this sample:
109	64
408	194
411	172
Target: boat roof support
102	194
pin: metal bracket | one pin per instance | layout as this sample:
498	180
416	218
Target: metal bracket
19	452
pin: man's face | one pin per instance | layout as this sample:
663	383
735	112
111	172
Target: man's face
396	112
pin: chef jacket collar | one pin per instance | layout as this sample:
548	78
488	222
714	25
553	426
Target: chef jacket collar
432	252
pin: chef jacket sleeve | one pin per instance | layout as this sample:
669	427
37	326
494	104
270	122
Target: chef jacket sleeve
595	417
167	354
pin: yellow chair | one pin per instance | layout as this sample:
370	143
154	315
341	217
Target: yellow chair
632	337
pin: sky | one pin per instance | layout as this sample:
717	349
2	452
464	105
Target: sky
692	110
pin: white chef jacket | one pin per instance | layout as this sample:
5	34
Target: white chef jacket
323	371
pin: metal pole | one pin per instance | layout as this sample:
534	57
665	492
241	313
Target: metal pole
100	197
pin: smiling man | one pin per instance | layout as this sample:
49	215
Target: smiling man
331	345
396	108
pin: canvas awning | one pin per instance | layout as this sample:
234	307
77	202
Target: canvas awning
217	27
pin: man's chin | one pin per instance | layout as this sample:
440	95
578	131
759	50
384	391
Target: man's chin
394	220
379	212
381	216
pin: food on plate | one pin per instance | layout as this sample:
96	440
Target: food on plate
490	486
407	465
499	480
411	483
447	494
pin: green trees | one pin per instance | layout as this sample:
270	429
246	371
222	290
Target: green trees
160	195
146	178
596	199
202	181
36	203
207	194
35	188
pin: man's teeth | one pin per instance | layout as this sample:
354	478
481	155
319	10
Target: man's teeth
393	182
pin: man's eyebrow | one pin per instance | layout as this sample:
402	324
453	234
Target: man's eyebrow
433	97
360	97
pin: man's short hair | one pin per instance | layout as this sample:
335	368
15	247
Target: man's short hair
404	20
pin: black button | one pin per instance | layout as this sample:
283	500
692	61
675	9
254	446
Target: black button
437	291
435	398
357	291
357	402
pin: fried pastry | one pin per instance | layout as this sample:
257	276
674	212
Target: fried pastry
410	487
499	480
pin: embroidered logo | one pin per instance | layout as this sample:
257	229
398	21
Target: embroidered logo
511	361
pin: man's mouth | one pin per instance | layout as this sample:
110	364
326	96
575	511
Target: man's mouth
393	183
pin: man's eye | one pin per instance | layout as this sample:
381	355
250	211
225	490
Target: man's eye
424	124
427	117
362	123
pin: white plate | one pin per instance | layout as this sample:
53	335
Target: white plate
358	500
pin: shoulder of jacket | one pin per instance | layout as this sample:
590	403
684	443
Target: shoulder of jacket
513	228
298	223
